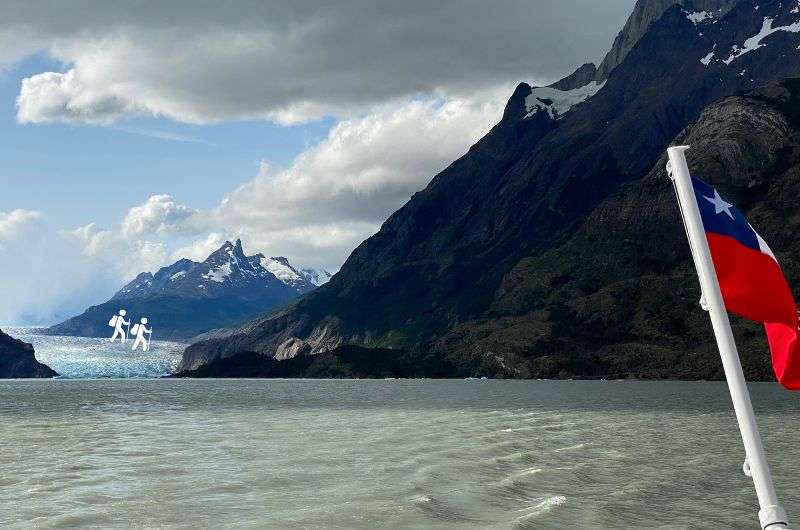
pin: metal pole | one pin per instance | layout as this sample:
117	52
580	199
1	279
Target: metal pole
771	514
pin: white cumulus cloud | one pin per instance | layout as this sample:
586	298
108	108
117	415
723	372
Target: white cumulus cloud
159	215
18	224
339	191
53	96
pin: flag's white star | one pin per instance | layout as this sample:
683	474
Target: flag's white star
719	204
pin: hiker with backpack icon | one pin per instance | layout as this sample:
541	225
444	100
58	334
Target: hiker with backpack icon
116	322
140	329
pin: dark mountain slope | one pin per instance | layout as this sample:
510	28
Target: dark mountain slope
436	277
621	297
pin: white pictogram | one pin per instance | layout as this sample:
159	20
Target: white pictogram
116	322
140	330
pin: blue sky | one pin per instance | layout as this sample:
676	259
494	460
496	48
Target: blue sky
137	133
80	174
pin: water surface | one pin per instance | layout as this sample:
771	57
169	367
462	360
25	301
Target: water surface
396	454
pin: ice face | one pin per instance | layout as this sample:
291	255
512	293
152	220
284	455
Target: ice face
84	357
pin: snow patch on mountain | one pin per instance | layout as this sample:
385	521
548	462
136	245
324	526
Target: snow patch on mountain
755	42
219	274
281	269
558	102
316	276
699	16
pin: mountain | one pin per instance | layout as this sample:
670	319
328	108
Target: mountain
18	361
227	271
303	280
645	13
317	277
553	248
188	298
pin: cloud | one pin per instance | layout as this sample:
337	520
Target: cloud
200	249
85	265
339	191
94	240
117	254
159	215
202	62
53	96
78	267
161	135
19	224
45	274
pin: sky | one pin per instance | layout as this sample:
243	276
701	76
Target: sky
136	133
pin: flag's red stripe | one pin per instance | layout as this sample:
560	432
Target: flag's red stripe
754	287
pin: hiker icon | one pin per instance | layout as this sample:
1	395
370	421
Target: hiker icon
116	322
140	329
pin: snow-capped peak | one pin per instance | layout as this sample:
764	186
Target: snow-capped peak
316	276
226	272
301	279
280	267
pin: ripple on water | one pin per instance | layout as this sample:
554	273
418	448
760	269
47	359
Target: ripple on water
529	517
397	454
441	510
572	447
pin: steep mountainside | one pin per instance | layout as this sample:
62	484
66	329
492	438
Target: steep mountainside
188	298
645	13
551	248
18	361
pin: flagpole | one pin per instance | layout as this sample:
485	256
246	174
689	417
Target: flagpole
771	515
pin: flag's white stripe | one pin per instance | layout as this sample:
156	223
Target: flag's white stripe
762	245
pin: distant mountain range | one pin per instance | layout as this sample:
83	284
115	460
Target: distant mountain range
188	298
554	248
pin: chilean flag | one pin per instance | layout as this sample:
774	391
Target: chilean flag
751	280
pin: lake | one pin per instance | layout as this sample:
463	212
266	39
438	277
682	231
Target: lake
154	453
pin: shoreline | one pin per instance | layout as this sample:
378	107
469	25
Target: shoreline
373	379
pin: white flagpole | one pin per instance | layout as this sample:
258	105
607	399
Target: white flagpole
771	515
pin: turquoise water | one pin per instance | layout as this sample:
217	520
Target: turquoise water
394	454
